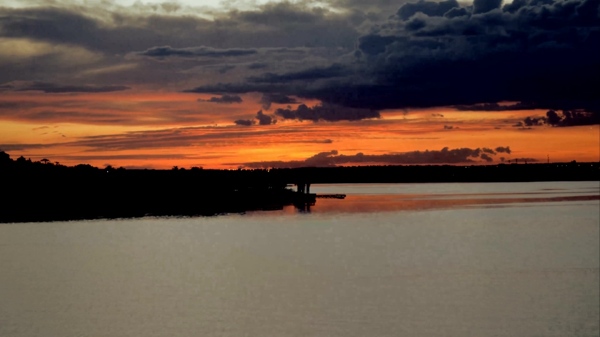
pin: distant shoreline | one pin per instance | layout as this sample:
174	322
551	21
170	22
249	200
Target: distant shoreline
40	191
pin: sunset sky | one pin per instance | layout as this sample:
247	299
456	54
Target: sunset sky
248	83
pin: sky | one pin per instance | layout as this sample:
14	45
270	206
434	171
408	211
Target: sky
257	84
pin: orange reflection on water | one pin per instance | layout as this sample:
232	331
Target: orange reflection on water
392	203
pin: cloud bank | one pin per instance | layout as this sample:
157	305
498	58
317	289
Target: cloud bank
224	99
380	55
544	54
333	158
326	112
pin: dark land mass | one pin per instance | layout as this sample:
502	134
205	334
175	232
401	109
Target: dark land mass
42	191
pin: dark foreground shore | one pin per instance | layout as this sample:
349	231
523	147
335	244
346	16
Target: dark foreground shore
38	191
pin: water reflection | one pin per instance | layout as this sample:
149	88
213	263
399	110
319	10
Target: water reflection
470	261
372	198
304	207
387	203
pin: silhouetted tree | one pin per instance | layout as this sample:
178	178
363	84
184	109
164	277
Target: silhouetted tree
4	158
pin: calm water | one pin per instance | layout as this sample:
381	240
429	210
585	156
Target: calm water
391	260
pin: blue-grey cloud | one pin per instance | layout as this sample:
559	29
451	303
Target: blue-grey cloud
310	74
269	98
54	88
428	8
224	99
543	53
484	6
327	112
124	30
168	51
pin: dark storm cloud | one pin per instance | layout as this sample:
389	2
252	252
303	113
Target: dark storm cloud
270	98
380	54
497	107
311	74
168	51
54	88
484	6
244	122
327	112
542	53
565	118
224	99
572	118
332	158
429	8
261	118
264	119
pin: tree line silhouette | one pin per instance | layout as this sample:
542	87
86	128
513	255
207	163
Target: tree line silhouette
44	191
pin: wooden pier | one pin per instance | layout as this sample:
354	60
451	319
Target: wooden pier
303	189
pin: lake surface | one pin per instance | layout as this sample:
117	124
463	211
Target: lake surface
509	259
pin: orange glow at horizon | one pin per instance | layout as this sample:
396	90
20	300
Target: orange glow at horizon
165	129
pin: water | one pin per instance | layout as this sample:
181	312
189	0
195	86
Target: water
391	260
